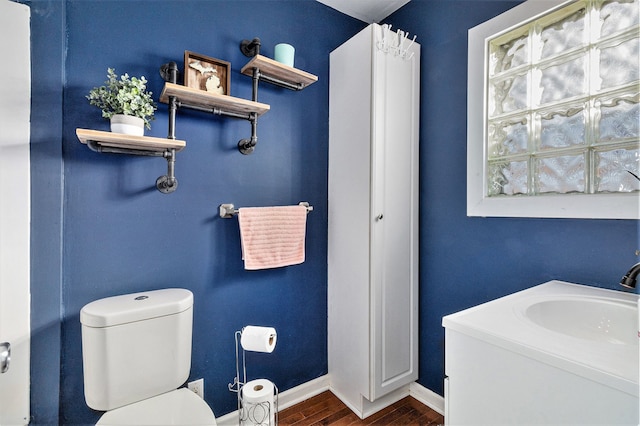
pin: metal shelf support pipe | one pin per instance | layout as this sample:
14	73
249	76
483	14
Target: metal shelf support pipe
215	111
168	183
281	83
247	146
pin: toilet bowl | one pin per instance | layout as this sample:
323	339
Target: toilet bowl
136	353
178	407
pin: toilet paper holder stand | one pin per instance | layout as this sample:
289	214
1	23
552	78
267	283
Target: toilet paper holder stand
239	382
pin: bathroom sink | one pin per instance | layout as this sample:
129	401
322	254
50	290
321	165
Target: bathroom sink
596	319
579	341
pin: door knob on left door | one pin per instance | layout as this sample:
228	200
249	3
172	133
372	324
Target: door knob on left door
5	356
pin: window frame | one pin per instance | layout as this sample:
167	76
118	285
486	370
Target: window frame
593	206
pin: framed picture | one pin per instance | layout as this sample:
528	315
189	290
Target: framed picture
205	73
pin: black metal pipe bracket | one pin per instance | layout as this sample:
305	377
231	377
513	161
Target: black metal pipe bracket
250	48
169	72
168	183
165	184
247	146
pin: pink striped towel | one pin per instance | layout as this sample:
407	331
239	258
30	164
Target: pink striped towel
272	237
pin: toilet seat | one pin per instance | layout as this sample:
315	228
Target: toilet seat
178	407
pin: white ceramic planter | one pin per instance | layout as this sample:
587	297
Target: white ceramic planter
127	124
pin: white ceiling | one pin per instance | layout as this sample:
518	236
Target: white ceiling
366	10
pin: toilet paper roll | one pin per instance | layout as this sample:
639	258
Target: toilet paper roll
258	406
258	339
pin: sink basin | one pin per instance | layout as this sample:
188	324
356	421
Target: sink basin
596	319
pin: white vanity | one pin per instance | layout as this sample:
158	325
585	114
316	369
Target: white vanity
557	353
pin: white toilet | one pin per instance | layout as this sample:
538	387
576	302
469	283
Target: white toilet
136	352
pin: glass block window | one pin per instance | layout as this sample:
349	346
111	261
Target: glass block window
562	102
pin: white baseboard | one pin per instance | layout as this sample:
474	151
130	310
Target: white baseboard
303	392
286	399
364	408
427	397
315	387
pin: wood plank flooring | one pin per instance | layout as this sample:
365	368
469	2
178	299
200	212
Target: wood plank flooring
327	409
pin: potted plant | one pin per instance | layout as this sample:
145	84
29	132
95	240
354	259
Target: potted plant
125	101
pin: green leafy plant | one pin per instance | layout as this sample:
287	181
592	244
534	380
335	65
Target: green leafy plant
125	95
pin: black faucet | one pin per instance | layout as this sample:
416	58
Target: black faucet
630	279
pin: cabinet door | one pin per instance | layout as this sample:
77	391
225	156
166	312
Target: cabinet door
394	225
349	210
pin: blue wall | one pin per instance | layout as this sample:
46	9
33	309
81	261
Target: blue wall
47	48
100	228
466	261
120	235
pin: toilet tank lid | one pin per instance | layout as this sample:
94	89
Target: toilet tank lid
133	307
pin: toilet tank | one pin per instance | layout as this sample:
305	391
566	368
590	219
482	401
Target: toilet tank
135	346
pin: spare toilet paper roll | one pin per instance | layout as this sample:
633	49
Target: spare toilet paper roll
258	407
258	339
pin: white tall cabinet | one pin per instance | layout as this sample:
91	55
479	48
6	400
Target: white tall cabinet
374	94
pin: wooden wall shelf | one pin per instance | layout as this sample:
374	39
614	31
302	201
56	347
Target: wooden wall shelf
177	95
119	143
120	140
203	99
271	68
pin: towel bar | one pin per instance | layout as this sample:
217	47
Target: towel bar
228	210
